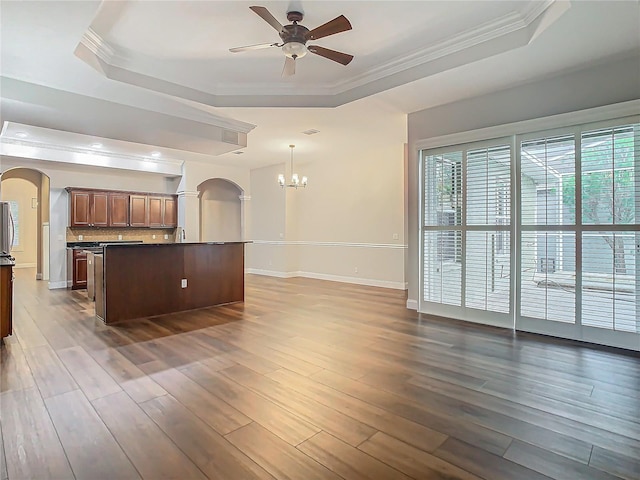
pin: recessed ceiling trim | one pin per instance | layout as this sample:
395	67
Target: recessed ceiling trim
71	149
121	66
63	154
488	31
96	45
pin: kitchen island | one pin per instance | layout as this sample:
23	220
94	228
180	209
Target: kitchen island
146	280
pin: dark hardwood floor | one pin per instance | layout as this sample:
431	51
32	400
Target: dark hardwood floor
305	380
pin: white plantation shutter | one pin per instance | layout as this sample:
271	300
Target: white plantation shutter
610	205
564	260
488	216
548	240
609	289
442	217
467	228
547	286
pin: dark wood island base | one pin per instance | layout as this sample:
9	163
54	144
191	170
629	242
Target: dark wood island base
146	280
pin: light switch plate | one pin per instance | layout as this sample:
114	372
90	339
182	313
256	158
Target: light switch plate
153	236
80	237
119	237
166	236
184	283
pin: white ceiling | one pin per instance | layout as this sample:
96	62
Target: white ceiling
160	73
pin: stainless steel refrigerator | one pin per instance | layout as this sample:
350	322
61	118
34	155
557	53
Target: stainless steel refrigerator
6	229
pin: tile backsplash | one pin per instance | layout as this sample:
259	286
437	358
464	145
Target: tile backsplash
110	234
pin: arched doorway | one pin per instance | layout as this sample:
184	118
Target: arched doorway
27	191
220	211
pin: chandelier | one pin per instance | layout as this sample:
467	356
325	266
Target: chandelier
295	180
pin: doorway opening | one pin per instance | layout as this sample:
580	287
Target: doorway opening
27	191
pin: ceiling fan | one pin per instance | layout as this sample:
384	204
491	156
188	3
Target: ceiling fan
295	37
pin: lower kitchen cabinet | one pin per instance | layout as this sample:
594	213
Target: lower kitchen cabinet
6	298
77	268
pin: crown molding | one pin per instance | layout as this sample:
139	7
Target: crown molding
187	193
121	66
86	157
88	151
485	32
96	45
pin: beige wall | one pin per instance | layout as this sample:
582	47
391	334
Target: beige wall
342	226
24	192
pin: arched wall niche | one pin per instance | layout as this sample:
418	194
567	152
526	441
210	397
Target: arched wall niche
221	211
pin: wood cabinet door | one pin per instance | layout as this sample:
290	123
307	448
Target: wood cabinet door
155	211
138	211
79	269
6	300
99	209
80	209
170	217
118	210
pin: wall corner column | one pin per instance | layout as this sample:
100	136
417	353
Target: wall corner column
189	215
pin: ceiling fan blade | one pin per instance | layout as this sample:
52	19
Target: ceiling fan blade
343	58
267	17
289	67
337	25
252	47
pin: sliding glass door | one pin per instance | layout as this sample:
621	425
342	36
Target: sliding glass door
579	235
467	233
563	259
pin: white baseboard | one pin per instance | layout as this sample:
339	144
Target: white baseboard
25	265
332	278
54	285
269	273
412	305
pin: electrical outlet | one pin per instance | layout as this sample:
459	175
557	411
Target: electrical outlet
356	269
153	237
396	236
80	237
184	283
119	237
166	236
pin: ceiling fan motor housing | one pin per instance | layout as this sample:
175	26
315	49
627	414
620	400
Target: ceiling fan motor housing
294	38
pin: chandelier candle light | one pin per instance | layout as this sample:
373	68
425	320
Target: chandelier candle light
295	180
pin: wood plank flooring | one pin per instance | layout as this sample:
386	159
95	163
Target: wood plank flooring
306	379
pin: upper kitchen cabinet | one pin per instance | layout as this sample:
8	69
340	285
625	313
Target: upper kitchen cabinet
118	209
163	211
88	208
138	210
170	211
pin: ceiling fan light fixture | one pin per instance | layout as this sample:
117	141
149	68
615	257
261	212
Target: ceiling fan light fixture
294	49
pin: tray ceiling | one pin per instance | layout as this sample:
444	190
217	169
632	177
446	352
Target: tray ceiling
182	48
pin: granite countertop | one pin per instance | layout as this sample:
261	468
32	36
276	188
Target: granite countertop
111	245
98	244
7	262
